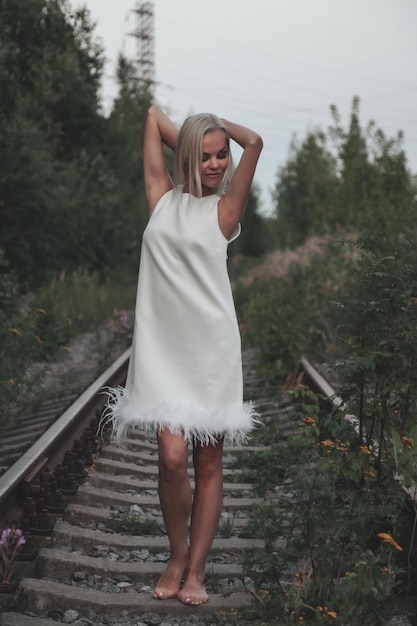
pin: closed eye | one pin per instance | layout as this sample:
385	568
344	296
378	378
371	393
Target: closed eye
223	154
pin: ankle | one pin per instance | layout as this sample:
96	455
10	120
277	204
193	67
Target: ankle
179	556
195	575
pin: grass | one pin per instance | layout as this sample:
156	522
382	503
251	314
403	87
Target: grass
41	328
226	527
132	524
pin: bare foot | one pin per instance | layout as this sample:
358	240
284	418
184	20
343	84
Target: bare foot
169	583
193	593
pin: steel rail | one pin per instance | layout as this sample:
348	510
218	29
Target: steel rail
330	394
321	383
48	448
48	451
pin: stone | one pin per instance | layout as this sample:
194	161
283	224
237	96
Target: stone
136	509
64	548
70	616
151	619
140	555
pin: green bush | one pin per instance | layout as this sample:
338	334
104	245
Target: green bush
378	327
39	327
336	520
290	317
340	513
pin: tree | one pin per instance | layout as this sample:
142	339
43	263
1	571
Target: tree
306	191
354	166
52	132
256	238
359	183
377	188
124	154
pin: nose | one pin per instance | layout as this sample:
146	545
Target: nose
213	163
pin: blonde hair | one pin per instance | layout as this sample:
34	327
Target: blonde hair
189	152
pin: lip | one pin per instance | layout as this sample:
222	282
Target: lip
214	175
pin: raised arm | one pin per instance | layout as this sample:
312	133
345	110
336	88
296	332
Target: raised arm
232	205
159	130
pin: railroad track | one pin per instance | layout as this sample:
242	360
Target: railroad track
96	542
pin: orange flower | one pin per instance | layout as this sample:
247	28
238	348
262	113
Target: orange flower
328	443
388	539
66	349
365	450
14	331
326	612
310	420
342	446
41	311
388	572
408	441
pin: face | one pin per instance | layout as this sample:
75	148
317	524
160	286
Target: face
215	160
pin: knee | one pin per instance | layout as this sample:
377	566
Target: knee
207	467
172	467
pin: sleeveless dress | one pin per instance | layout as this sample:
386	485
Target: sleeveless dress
185	369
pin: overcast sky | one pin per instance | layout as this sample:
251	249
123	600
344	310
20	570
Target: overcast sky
276	65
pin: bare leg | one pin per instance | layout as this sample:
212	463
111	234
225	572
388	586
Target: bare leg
206	510
175	497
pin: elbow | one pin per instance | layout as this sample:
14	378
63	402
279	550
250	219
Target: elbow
153	110
259	142
256	142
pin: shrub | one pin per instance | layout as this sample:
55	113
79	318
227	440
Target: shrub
337	522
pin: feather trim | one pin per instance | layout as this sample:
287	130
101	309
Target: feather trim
194	422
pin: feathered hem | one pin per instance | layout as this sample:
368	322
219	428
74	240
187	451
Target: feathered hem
194	422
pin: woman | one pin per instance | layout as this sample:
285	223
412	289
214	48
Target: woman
185	376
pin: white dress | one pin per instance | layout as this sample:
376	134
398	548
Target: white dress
185	369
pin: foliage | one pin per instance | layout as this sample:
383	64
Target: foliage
226	527
86	299
377	190
335	524
9	286
355	178
270	322
35	336
40	326
48	117
347	552
255	238
124	155
379	330
11	540
280	454
70	194
131	524
288	317
306	191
